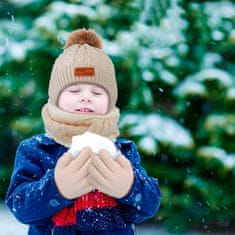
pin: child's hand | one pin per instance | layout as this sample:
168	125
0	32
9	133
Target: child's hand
111	177
71	174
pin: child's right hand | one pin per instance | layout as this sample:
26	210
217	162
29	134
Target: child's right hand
71	174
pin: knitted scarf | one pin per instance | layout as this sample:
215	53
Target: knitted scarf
62	125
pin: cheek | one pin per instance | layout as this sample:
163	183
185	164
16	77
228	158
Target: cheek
103	104
66	100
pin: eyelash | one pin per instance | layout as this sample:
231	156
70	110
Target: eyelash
76	91
96	93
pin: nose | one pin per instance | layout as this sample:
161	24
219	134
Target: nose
85	100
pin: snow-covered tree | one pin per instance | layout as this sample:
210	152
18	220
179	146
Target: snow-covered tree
175	70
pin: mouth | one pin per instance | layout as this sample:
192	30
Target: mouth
84	110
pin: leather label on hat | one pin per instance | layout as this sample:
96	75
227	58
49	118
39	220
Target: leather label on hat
84	71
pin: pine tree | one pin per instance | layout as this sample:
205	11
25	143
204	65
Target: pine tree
175	69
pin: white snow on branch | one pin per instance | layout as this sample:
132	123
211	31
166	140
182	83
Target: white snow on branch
228	160
163	129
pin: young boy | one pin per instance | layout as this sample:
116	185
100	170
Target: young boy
56	193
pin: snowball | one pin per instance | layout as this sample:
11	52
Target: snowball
94	141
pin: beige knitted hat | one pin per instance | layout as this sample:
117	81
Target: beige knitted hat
83	60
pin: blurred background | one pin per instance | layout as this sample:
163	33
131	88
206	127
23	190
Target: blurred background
175	68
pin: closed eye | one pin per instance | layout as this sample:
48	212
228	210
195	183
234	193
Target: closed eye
74	91
97	93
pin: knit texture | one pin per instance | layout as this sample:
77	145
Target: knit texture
62	126
82	61
83	56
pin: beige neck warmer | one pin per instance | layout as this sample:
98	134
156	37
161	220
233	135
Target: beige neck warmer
62	125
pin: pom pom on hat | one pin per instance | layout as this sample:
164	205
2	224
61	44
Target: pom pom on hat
84	36
83	60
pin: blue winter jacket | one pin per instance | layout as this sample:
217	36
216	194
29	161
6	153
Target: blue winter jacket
33	197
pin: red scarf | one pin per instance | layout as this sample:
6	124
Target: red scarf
92	200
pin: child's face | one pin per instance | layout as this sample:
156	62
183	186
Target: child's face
84	98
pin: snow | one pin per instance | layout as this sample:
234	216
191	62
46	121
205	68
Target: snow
22	3
231	93
159	53
10	226
111	49
12	18
147	7
38	138
222	122
72	9
104	11
94	141
214	74
54	203
217	35
148	145
138	197
89	209
158	39
163	129
169	131
228	160
218	11
56	16
232	34
189	87
172	61
193	84
9	46
148	76
46	23
182	48
17	50
210	59
168	77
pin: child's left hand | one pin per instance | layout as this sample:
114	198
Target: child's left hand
112	177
